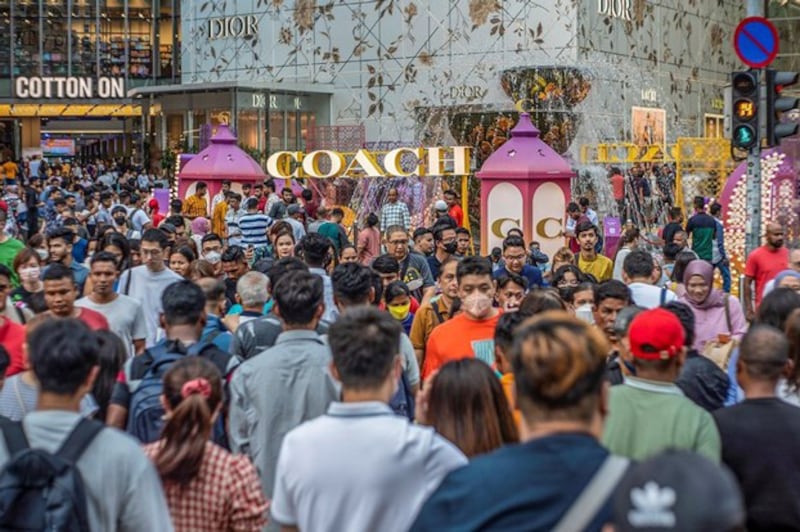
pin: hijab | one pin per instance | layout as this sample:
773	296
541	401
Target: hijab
715	298
200	226
784	274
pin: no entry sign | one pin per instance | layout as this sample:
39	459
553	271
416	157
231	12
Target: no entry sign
756	42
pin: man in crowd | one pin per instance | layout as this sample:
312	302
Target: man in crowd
515	261
610	298
423	241
719	255
763	265
703	229
234	265
254	225
60	293
315	249
123	489
333	230
287	384
587	211
471	333
648	413
221	195
146	283
444	238
638	269
270	195
394	213
414	269
296	218
435	312
60	242
589	260
454	210
464	241
674	225
574	218
124	314
196	205
373	446
120	216
252	295
280	210
770	480
214	330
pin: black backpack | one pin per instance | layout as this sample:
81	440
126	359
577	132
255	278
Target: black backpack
42	491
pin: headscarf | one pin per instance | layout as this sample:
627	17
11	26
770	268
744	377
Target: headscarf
715	298
784	274
200	226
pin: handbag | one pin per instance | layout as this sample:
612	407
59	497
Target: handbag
720	353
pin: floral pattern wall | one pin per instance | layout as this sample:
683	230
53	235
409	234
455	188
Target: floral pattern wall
425	71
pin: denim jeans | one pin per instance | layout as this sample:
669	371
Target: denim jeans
725	272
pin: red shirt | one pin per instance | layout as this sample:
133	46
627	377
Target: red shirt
618	186
457	214
157	219
12	337
94	320
763	265
262	202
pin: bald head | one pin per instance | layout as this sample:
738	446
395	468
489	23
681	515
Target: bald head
774	235
764	352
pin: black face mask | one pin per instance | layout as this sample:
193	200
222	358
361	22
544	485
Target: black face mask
451	247
119	220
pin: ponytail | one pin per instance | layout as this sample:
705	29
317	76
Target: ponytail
193	389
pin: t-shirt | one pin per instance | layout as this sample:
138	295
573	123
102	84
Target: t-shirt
650	296
94	320
370	239
9	250
601	267
618	186
457	214
123	490
760	438
531	273
460	337
146	287
12	337
669	231
254	229
335	233
416	273
529	487
384	469
703	229
647	417
125	317
18	398
763	265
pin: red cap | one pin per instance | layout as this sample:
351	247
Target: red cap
153	203
656	334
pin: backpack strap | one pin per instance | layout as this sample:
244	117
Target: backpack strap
127	288
728	313
596	492
13	435
20	314
437	313
79	439
663	298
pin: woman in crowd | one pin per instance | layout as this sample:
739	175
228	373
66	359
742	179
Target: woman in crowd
715	312
683	259
567	276
511	290
542	300
349	254
180	259
284	245
562	257
39	243
200	268
112	356
200	227
788	279
628	242
27	266
466	404
397	299
207	488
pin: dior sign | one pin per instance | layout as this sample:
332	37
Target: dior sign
236	27
620	9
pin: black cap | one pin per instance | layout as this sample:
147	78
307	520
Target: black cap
496	252
678	490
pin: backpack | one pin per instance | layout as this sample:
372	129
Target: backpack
43	491
145	413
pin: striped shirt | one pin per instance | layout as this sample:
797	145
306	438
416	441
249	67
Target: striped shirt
254	229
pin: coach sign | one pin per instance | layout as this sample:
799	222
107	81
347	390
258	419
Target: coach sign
68	88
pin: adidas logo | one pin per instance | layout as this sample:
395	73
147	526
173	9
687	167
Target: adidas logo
652	506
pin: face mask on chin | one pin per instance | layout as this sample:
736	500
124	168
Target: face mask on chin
43	254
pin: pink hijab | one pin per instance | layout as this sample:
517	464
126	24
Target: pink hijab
200	226
715	298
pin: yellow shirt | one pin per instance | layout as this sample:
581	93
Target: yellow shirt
218	219
195	206
602	268
10	170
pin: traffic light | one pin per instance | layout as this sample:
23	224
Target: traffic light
744	100
776	104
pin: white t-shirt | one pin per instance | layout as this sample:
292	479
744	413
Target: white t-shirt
125	318
146	287
649	296
384	470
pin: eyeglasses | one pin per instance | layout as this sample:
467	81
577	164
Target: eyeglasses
515	258
399	242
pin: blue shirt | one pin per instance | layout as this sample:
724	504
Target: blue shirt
531	273
528	486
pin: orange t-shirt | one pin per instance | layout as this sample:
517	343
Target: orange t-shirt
460	337
507	381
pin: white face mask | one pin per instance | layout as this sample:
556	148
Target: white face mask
43	254
585	313
29	274
214	257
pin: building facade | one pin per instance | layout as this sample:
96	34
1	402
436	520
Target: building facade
412	72
66	67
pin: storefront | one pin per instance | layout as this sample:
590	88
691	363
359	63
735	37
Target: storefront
66	68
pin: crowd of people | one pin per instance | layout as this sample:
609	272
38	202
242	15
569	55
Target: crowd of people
246	362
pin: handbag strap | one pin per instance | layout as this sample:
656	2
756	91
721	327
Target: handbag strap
596	492
728	313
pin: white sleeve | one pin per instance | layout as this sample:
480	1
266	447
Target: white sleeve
283	507
410	363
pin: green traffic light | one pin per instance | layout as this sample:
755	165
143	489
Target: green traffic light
744	136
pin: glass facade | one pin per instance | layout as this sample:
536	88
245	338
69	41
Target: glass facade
138	40
786	17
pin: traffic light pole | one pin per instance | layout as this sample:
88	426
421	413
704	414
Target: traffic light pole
753	224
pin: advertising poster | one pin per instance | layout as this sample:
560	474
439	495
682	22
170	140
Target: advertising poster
714	126
648	126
